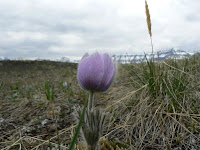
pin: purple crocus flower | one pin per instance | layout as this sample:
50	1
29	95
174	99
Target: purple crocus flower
96	72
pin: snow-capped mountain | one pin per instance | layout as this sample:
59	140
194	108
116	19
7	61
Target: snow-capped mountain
64	59
41	59
4	58
163	55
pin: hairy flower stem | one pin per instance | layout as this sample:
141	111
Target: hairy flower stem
91	100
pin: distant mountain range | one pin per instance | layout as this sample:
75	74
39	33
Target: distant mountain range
63	59
163	55
4	58
127	58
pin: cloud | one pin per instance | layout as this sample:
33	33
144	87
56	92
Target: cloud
50	28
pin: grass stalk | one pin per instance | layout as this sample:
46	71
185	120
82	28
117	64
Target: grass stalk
150	34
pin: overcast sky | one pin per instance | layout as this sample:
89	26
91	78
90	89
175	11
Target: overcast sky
57	28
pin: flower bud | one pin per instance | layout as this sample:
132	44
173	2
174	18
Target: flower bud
96	72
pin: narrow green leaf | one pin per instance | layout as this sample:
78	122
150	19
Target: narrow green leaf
78	127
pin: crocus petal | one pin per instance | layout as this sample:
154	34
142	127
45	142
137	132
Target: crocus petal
84	56
109	73
109	80
90	72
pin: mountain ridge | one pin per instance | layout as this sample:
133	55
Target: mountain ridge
128	58
163	55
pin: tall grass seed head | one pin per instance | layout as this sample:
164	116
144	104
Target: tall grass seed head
96	72
148	18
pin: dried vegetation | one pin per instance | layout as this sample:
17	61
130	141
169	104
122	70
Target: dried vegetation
138	118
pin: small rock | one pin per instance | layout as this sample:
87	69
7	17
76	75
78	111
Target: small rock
65	84
1	121
193	140
45	121
58	109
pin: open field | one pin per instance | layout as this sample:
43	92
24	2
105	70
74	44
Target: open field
146	111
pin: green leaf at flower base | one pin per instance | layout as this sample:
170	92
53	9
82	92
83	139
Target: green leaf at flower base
79	126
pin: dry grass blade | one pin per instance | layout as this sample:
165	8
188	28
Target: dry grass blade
126	96
116	128
44	141
177	69
15	143
148	18
182	114
183	126
63	131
